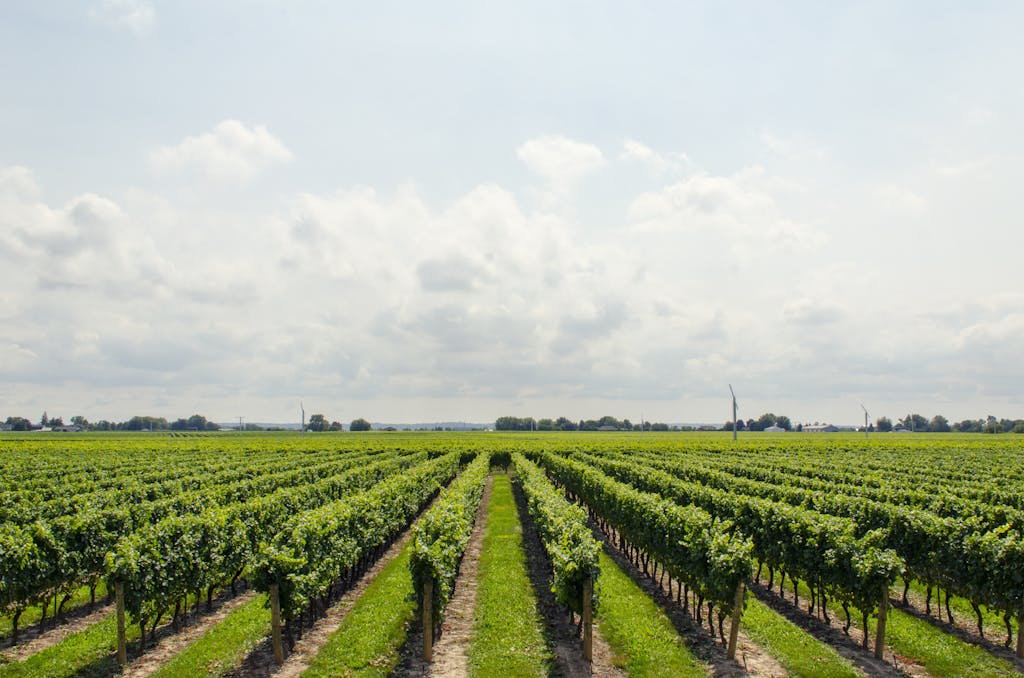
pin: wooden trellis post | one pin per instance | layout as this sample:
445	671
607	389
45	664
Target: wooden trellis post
428	618
734	628
1020	635
275	623
883	609
588	618
122	642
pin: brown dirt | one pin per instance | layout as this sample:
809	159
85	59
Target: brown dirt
848	646
450	658
34	639
751	658
560	632
171	644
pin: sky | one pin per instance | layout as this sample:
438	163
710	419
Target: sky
458	210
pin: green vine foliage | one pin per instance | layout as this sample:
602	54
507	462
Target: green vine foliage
563	531
441	535
317	547
706	553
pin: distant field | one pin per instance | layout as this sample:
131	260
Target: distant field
830	520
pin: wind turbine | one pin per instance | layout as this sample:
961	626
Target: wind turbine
865	419
734	408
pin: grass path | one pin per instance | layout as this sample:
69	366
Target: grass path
76	605
370	637
917	641
508	639
217	651
800	653
89	653
642	639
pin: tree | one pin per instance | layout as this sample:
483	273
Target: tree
564	424
359	424
783	422
80	421
883	424
939	424
56	422
914	422
44	420
317	422
18	423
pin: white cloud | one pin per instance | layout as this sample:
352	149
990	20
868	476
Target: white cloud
137	16
559	160
900	199
739	211
659	163
231	152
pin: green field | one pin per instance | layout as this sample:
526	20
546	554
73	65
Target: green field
172	516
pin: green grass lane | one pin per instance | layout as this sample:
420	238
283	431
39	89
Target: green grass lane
33	614
800	653
372	634
992	622
221	648
642	639
92	652
507	638
940	653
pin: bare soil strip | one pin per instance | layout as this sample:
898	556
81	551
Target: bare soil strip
452	644
170	645
561	633
751	658
34	639
450	658
848	646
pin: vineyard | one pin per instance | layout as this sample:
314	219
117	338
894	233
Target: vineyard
528	554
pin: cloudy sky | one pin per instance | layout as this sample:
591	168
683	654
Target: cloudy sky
455	211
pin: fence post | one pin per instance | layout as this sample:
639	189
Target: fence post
1020	635
883	609
588	618
734	628
275	623
428	618
122	642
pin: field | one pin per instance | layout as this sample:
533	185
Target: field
522	554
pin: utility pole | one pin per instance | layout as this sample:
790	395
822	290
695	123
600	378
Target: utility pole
734	408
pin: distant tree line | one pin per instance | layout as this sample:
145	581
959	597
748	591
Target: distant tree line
939	424
318	423
196	422
565	424
766	420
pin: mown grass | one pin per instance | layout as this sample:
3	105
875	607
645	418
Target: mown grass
507	639
372	634
34	613
221	648
642	639
88	653
940	653
992	622
797	651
